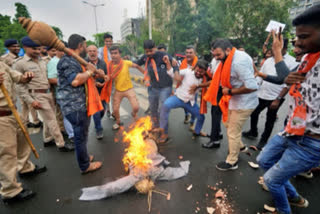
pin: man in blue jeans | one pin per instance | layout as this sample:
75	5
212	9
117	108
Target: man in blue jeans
156	77
184	97
72	98
297	148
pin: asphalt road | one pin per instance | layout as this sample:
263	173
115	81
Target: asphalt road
59	188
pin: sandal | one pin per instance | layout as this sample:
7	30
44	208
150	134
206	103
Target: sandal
253	148
162	140
91	157
93	167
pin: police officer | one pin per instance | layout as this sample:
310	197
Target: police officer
13	46
37	94
14	149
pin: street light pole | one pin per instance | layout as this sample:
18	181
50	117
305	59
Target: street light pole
94	6
150	21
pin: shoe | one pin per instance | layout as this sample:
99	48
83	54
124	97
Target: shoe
250	135
224	166
50	143
23	195
93	167
147	111
307	174
263	184
162	140
191	126
71	140
108	113
244	149
37	170
68	147
38	125
186	119
220	137
261	144
299	202
30	125
211	144
99	135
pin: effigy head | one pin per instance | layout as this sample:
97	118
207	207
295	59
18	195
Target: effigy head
41	33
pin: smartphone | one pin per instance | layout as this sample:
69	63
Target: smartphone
280	31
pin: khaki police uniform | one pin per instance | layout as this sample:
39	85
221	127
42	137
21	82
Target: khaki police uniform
9	58
14	149
38	89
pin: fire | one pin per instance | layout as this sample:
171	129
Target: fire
136	155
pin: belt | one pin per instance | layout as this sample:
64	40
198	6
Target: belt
312	135
43	91
5	113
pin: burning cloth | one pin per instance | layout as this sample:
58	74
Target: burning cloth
142	161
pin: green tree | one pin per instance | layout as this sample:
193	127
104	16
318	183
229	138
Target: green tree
58	32
89	42
98	38
21	11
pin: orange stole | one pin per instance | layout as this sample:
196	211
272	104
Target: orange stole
222	75
203	102
184	65
154	67
297	122
112	73
105	54
93	101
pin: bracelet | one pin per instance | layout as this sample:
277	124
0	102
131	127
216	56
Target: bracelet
89	73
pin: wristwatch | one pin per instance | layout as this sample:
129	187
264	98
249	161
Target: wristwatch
229	91
279	98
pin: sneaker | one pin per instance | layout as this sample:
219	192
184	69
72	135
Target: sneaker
211	144
115	126
68	147
307	174
99	135
244	149
50	143
186	119
250	135
25	194
299	202
224	166
38	125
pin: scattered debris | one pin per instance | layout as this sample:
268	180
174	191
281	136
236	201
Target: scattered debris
253	165
268	208
189	187
210	210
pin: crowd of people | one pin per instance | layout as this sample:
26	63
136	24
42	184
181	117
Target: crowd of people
66	94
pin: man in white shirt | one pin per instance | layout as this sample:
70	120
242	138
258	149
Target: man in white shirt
271	96
184	97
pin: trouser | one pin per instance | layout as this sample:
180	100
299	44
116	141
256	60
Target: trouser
216	116
271	119
116	101
284	157
97	117
186	113
157	96
51	128
234	124
14	156
174	102
25	110
80	123
59	117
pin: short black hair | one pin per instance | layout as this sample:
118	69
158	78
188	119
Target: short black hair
223	44
190	47
309	17
162	46
107	35
114	47
148	44
202	64
74	41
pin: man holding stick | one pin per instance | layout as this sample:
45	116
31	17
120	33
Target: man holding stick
14	149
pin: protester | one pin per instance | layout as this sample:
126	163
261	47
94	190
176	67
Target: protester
14	149
73	96
156	77
239	97
37	94
271	96
120	74
191	79
296	149
92	51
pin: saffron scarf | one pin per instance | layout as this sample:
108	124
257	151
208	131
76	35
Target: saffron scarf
112	73
105	55
221	76
203	102
93	101
297	122
184	65
155	70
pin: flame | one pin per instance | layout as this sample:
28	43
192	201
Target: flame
136	154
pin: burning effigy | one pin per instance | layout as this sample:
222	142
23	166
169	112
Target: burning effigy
143	163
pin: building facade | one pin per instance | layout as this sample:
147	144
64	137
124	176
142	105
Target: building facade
302	6
131	26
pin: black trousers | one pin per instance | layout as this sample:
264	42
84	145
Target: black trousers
271	119
216	116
